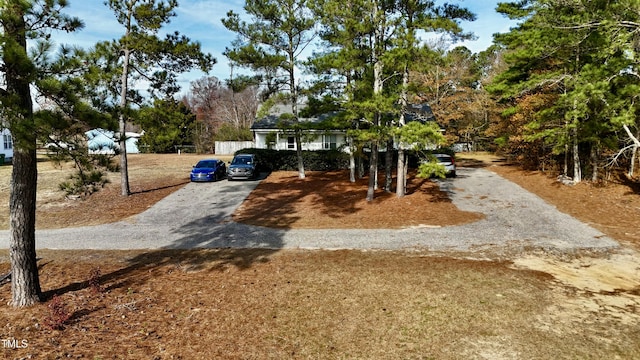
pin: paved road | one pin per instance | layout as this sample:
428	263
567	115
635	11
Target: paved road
199	216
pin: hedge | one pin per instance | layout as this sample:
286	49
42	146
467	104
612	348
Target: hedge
318	160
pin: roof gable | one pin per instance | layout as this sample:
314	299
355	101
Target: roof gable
419	112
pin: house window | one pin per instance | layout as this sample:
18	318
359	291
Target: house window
291	142
8	142
330	142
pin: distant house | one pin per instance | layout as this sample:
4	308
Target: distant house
6	145
103	142
271	131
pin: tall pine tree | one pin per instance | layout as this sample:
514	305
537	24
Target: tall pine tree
140	54
272	46
54	78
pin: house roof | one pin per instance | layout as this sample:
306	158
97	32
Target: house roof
419	112
101	133
274	121
415	112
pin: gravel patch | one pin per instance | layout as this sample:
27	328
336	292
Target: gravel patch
199	216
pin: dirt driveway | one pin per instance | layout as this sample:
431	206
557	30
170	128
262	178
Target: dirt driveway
199	216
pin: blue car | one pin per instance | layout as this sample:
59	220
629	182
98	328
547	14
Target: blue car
209	170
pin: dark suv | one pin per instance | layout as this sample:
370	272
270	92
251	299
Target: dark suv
243	166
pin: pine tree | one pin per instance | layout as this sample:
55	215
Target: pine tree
576	57
23	21
372	46
415	16
271	45
141	54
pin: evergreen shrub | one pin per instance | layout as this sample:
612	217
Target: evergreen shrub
287	160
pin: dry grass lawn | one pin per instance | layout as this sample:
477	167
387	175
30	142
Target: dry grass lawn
297	304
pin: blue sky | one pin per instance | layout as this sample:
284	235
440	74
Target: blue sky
200	21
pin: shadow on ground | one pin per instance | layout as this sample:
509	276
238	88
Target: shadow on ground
142	266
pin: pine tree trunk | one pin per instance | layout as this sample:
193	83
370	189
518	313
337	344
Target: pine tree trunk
636	142
373	172
352	162
298	137
594	163
566	154
378	67
361	170
401	172
294	107
124	88
636	150
124	165
401	176
25	283
566	161
577	172
388	167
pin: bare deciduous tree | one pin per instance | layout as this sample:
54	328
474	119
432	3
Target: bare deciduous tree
217	106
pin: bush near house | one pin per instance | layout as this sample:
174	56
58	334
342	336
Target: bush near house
322	160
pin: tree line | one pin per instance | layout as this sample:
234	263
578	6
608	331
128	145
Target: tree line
569	86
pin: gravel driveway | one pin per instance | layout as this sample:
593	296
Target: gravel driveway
199	216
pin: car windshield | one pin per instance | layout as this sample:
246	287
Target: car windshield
207	164
244	160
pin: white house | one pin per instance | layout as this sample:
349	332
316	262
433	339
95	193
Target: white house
268	133
103	142
6	145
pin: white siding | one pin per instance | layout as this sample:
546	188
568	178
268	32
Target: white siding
6	144
283	143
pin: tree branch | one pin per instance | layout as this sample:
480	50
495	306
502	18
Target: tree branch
633	138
